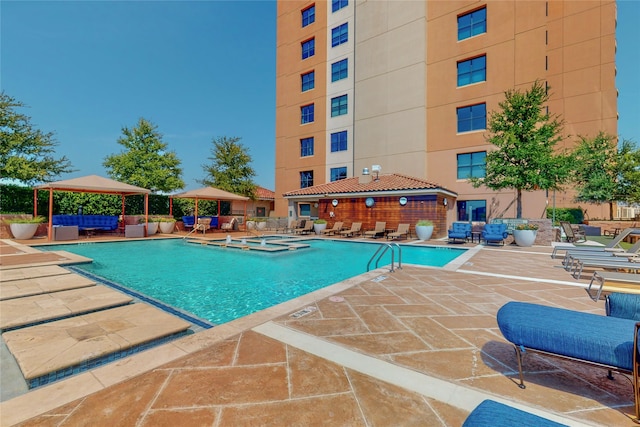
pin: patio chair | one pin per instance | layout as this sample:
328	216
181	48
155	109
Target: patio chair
495	233
378	231
355	229
631	264
403	230
571	258
230	226
572	235
306	228
612	246
203	225
337	227
611	281
459	231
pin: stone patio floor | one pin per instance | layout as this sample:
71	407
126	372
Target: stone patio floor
419	346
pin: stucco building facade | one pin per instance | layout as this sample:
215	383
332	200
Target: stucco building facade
408	86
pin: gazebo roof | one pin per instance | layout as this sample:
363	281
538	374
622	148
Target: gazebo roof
93	184
210	193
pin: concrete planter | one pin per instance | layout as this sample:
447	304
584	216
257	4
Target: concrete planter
152	228
424	232
525	238
318	228
167	227
22	231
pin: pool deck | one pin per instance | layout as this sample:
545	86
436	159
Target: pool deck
419	346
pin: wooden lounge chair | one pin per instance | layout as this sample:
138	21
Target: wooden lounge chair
203	225
611	281
355	229
306	228
230	226
403	230
337	227
572	235
378	231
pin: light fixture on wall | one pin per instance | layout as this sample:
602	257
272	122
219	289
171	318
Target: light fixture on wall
445	202
334	202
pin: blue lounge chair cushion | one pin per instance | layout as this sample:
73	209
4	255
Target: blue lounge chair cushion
102	222
585	336
625	306
494	414
495	232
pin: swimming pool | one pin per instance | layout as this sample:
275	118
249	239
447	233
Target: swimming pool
222	284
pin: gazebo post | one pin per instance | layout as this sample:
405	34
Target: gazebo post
35	203
171	206
50	227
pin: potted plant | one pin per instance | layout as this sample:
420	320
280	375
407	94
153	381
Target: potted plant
261	223
152	225
424	229
525	234
24	228
319	225
167	225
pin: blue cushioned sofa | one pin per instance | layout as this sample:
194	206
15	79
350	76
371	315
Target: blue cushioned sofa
605	341
494	233
100	222
459	231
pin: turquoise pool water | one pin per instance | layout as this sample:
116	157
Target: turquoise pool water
221	285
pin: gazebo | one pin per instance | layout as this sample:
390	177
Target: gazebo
211	193
89	184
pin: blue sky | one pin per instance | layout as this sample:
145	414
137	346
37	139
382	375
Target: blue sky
196	69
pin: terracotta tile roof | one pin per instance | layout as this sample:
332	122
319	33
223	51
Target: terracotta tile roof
386	183
265	194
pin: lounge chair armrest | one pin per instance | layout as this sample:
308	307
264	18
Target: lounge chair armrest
625	306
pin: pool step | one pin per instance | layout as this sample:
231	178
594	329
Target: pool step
61	348
42	285
35	309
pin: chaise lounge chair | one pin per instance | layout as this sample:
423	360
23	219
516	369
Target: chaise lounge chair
355	229
573	235
611	281
337	227
571	257
203	225
306	228
403	230
612	246
230	226
378	231
632	264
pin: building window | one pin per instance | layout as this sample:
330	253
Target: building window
472	165
306	147
477	209
336	5
473	117
339	70
339	105
309	15
339	141
308	81
473	23
472	71
339	35
306	114
308	48
338	173
306	179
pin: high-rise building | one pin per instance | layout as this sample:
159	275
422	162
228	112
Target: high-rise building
408	85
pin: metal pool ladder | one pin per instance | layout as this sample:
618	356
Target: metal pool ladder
382	249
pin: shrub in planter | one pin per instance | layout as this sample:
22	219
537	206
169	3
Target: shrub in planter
319	225
24	228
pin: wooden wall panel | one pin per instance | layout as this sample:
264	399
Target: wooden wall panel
387	209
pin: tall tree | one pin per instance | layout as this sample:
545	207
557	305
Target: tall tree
629	173
26	153
526	158
145	162
230	167
596	170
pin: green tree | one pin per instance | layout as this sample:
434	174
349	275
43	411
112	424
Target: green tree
145	162
526	158
596	170
230	168
628	173
26	153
